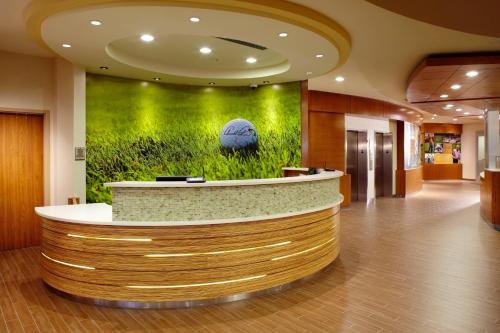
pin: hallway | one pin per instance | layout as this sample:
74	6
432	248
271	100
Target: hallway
427	263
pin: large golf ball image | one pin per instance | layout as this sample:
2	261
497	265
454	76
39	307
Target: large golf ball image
238	134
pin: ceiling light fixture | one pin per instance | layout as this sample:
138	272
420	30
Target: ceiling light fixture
466	113
480	117
157	78
455	119
205	50
443	96
309	73
251	60
211	83
65	45
448	106
472	73
458	110
402	109
266	82
319	56
95	23
194	19
147	38
283	34
456	87
104	67
340	79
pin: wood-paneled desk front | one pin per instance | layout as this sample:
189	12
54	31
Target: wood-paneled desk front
166	244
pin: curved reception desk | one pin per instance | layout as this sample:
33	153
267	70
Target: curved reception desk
173	244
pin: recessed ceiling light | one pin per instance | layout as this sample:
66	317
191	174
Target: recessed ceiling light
283	34
104	67
211	83
443	96
472	73
65	45
251	60
448	106
455	119
206	50
147	38
95	23
340	79
410	112
402	109
320	55
480	117
433	118
456	87
194	19
466	113
458	110
157	78
309	73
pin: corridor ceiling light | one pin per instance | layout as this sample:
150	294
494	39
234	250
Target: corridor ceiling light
194	19
466	113
319	56
95	23
104	68
205	50
459	110
340	79
147	38
251	60
65	45
443	96
283	34
456	87
455	119
448	106
472	73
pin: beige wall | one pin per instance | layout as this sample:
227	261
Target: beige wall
55	88
469	149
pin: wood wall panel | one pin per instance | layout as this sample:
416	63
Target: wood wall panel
408	181
490	198
345	189
442	128
327	140
221	260
21	179
442	171
339	103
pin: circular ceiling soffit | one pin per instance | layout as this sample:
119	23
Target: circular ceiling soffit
174	54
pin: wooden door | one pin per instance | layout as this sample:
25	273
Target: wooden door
21	179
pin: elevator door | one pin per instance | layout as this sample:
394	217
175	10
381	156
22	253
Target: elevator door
383	164
356	162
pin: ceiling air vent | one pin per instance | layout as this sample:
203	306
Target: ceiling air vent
242	42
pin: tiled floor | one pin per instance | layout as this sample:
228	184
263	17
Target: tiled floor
427	263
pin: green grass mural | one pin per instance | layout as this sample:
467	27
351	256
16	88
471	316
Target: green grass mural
137	130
